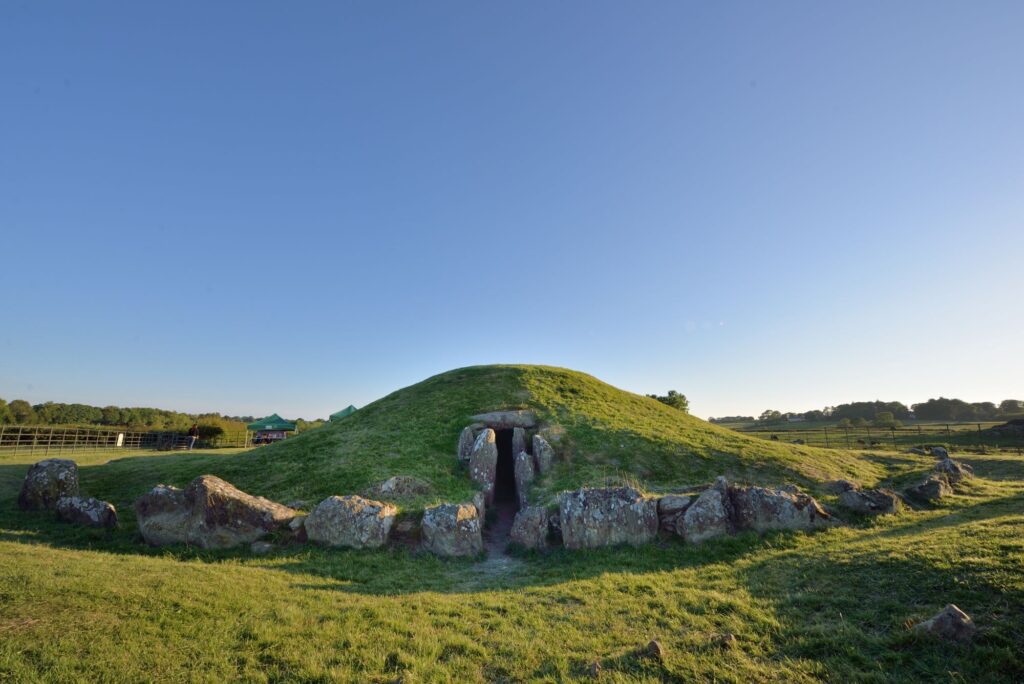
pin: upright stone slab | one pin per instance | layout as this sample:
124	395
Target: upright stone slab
452	530
483	462
524	473
466	441
530	528
89	512
46	482
709	516
593	517
350	521
543	454
518	440
761	509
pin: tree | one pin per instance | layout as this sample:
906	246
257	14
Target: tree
674	399
1010	406
844	423
859	422
770	416
885	419
6	417
22	411
814	415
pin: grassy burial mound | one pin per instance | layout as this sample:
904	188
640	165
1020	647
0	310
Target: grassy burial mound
839	604
599	432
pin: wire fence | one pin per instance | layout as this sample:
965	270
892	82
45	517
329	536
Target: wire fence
963	435
58	440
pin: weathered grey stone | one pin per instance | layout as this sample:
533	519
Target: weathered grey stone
954	470
261	548
46	482
209	513
350	521
483	462
402	485
518	440
543	454
670	511
466	440
654	650
89	512
916	450
950	623
840	486
871	501
524	475
934	487
709	516
939	452
297	523
480	501
505	420
452	530
530	528
607	516
761	509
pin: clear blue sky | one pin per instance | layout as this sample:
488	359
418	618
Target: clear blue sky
257	207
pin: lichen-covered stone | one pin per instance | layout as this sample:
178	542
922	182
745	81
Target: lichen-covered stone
872	501
543	454
939	452
670	511
840	486
402	485
350	521
524	473
933	488
46	482
466	440
452	530
954	471
709	516
530	528
209	513
950	623
593	517
761	509
505	420
89	512
483	462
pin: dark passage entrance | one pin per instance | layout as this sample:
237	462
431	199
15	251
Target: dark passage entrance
506	500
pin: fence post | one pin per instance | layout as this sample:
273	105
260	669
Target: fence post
826	438
947	430
18	443
847	431
893	438
869	437
1	435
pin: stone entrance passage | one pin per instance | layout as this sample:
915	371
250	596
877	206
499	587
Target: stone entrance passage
505	503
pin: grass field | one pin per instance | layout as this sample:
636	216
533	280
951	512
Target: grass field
85	605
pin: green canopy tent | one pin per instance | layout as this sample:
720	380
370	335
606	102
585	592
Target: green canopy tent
270	429
343	413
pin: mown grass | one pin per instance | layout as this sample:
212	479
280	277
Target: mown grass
84	605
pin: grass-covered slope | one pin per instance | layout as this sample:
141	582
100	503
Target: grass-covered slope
605	434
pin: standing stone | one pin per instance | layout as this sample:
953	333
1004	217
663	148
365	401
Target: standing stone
939	452
480	501
708	516
350	521
543	454
871	501
605	517
483	462
530	528
89	512
466	440
518	440
761	509
210	513
524	475
452	530
933	488
46	482
954	470
951	623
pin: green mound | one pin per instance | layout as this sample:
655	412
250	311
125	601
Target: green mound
603	434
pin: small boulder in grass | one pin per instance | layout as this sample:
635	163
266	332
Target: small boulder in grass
261	548
89	512
654	650
594	670
951	624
